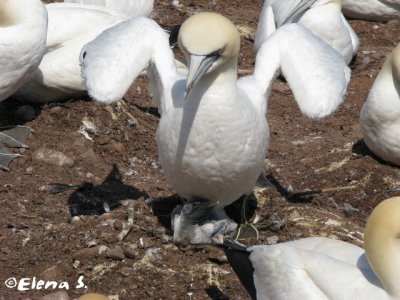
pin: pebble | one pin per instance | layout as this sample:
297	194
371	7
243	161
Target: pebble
130	252
55	110
25	113
56	296
53	157
52	273
126	271
87	254
115	253
93	296
29	171
118	225
272	240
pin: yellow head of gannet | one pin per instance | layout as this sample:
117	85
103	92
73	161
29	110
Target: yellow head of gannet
382	244
206	52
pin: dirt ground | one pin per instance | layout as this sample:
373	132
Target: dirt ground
69	234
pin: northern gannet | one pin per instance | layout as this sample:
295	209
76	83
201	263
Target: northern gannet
23	27
323	17
374	10
322	268
380	114
213	135
132	8
70	27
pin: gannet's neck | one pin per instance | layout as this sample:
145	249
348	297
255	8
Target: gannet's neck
215	86
382	244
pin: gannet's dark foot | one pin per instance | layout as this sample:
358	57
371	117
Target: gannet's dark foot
197	222
12	137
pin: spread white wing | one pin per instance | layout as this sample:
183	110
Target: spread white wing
112	61
316	73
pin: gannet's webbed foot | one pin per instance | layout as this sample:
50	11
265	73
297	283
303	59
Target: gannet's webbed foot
197	222
13	137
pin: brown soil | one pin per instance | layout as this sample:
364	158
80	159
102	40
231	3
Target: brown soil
39	238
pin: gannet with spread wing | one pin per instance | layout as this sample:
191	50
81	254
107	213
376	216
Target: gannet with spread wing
323	17
212	136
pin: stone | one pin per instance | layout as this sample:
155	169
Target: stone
115	253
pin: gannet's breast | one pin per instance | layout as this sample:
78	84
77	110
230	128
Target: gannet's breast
380	118
220	155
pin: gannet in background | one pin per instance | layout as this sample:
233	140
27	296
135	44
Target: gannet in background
323	17
380	114
213	135
132	8
322	268
70	27
23	27
374	10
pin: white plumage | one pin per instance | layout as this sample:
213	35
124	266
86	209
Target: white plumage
375	10
212	136
380	114
132	8
322	268
70	27
23	27
323	17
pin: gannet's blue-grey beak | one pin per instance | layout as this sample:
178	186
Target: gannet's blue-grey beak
198	66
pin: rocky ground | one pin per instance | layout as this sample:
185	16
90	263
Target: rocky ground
127	251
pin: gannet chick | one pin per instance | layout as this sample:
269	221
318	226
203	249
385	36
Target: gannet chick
23	27
71	26
323	17
380	114
132	8
322	268
213	135
373	10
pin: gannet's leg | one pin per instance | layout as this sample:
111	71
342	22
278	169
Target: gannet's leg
197	221
244	222
15	138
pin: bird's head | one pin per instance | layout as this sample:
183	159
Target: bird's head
208	41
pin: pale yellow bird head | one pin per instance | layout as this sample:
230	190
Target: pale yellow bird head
208	41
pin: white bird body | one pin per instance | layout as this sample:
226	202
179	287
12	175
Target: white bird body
321	268
380	114
70	27
374	10
324	18
23	27
132	8
212	139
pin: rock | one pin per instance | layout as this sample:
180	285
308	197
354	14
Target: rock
55	110
61	295
93	296
25	113
126	271
272	240
53	157
115	253
87	254
51	274
29	171
130	252
118	225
